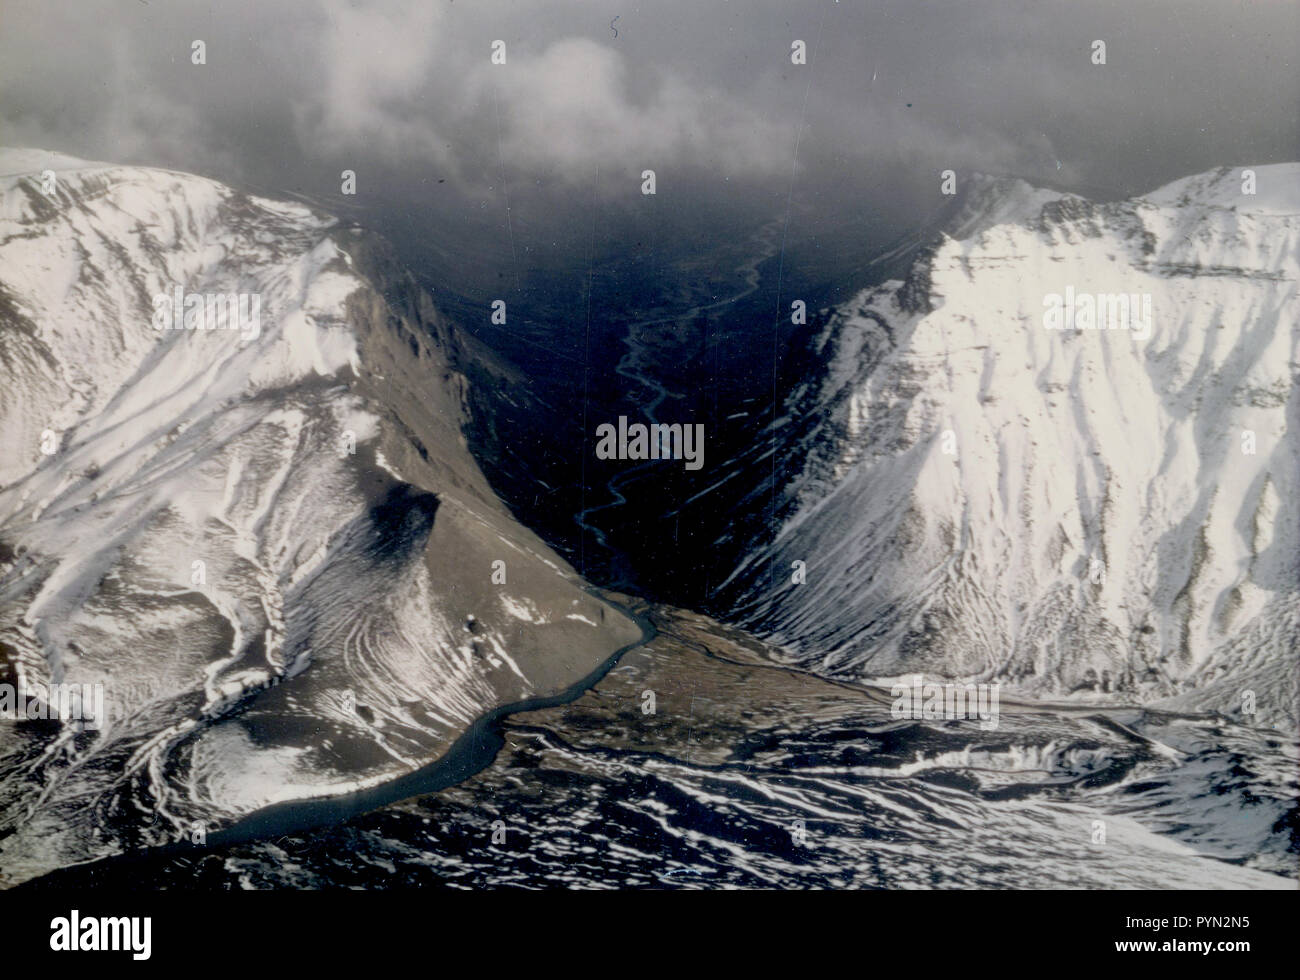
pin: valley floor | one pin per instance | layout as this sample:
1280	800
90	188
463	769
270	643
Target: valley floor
698	762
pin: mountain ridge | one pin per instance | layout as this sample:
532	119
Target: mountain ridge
908	548
272	548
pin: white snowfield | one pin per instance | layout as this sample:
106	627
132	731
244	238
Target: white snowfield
1078	513
204	520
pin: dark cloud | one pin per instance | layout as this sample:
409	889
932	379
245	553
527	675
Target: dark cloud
702	91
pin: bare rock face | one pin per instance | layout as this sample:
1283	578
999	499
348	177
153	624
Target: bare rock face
259	531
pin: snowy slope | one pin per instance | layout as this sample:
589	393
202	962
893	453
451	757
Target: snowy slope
273	550
1108	514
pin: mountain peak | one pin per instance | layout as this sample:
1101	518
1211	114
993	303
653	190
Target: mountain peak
991	200
1276	189
22	160
228	519
1077	512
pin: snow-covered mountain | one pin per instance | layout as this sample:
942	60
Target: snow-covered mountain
994	488
269	544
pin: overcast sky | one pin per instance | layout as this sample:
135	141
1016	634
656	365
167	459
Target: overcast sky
701	91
